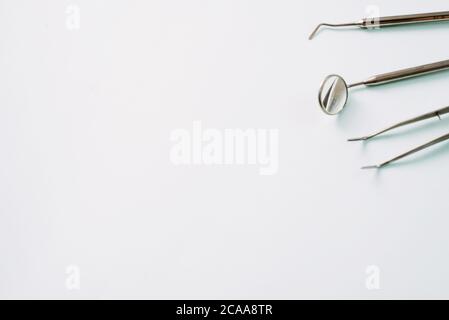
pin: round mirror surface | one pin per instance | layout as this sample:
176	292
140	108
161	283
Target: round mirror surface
333	94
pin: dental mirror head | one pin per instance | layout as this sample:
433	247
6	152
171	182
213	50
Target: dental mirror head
333	94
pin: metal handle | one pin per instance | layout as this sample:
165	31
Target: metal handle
405	19
375	22
408	153
407	73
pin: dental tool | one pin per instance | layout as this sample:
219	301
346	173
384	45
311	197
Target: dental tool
434	114
334	90
380	22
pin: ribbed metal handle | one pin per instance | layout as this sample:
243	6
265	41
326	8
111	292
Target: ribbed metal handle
405	19
407	73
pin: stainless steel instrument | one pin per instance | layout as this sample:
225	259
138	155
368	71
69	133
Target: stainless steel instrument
434	114
333	93
381	22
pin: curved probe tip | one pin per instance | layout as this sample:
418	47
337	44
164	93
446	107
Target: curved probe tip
371	167
330	25
358	139
315	31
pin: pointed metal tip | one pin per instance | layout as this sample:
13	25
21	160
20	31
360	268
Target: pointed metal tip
358	139
351	24
370	167
315	31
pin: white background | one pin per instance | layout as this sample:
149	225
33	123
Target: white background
86	180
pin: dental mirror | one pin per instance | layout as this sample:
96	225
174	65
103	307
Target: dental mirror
333	93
